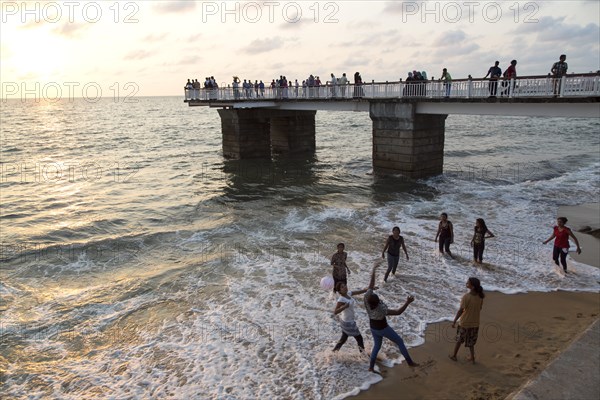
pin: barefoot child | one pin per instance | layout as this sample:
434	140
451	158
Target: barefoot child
561	244
345	306
393	244
377	311
468	312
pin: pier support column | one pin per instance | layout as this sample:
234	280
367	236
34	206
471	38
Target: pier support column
404	142
246	133
293	132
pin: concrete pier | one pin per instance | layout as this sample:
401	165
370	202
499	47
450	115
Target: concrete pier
293	132
404	142
259	132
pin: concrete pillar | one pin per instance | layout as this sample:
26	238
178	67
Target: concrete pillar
404	142
293	132
256	133
246	133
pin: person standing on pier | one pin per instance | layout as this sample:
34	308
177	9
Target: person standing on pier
343	83
561	244
447	78
468	313
392	245
358	91
333	85
338	261
510	74
494	72
445	234
559	69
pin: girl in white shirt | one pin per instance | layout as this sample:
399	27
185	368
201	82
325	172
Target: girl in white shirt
345	306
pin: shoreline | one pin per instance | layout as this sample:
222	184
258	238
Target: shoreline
584	220
520	334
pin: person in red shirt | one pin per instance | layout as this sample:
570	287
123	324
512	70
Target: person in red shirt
561	243
509	75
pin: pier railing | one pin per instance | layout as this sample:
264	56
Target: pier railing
574	85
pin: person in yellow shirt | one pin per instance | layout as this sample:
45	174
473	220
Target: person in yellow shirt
468	318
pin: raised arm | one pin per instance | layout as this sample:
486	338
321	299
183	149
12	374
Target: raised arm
372	281
399	311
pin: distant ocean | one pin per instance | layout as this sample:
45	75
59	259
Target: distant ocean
138	263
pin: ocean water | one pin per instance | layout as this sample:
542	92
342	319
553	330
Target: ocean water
138	263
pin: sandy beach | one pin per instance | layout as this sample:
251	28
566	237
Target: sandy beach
519	336
584	220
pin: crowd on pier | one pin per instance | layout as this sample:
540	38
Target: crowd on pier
501	83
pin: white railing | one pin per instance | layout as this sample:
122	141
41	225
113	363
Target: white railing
581	85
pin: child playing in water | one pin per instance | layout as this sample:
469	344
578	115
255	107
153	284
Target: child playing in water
338	261
478	241
345	306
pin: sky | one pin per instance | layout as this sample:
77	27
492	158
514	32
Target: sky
150	48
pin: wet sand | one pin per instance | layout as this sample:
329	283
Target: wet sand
519	335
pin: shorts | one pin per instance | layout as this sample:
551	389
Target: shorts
468	336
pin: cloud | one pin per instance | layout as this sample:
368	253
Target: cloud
549	29
33	24
70	30
453	37
300	24
194	38
175	7
394	7
138	55
152	38
263	45
189	60
391	36
398	7
354	61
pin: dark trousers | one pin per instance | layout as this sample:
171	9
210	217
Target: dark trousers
392	265
444	243
558	252
340	343
478	251
493	86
